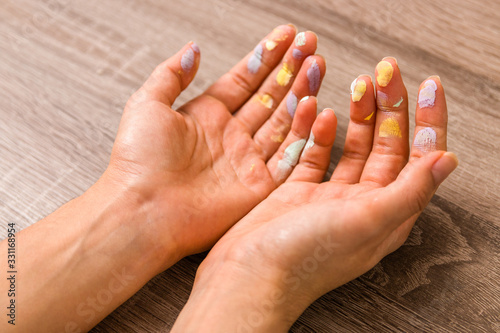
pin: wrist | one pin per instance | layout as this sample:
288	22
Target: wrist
228	296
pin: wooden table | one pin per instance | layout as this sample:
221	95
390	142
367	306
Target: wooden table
68	66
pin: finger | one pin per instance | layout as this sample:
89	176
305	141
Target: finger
390	144
240	83
262	105
270	136
315	157
413	189
431	119
359	138
284	160
170	77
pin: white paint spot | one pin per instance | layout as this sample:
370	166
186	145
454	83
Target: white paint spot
290	158
309	144
255	60
425	140
427	95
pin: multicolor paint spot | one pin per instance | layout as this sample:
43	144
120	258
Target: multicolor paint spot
358	89
425	140
290	158
300	39
285	74
255	60
314	77
384	73
389	128
427	95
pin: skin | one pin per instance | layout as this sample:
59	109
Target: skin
306	238
177	180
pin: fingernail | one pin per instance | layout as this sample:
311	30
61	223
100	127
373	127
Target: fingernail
443	167
393	58
292	25
195	47
304	99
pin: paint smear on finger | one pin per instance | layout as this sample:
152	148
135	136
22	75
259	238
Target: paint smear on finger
290	158
255	60
187	60
300	39
297	54
427	95
425	140
309	144
389	128
285	74
314	77
358	89
384	73
266	100
291	104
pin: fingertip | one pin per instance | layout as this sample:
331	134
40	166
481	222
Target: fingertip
443	167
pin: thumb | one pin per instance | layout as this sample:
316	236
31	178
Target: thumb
170	77
415	186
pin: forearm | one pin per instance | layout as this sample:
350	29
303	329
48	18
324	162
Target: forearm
84	260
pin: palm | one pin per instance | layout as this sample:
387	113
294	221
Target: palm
215	157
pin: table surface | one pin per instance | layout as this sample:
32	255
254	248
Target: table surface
68	66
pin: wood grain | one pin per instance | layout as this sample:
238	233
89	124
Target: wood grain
68	66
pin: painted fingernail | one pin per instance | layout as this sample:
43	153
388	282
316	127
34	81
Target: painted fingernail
187	60
389	128
443	167
427	95
300	39
358	89
384	73
255	60
425	140
290	158
291	104
314	77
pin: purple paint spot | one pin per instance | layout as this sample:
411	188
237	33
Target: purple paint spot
187	60
297	54
291	104
314	76
255	60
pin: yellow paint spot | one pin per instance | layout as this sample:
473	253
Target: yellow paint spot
384	73
389	128
370	116
279	134
266	100
252	167
270	45
277	138
358	91
285	74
